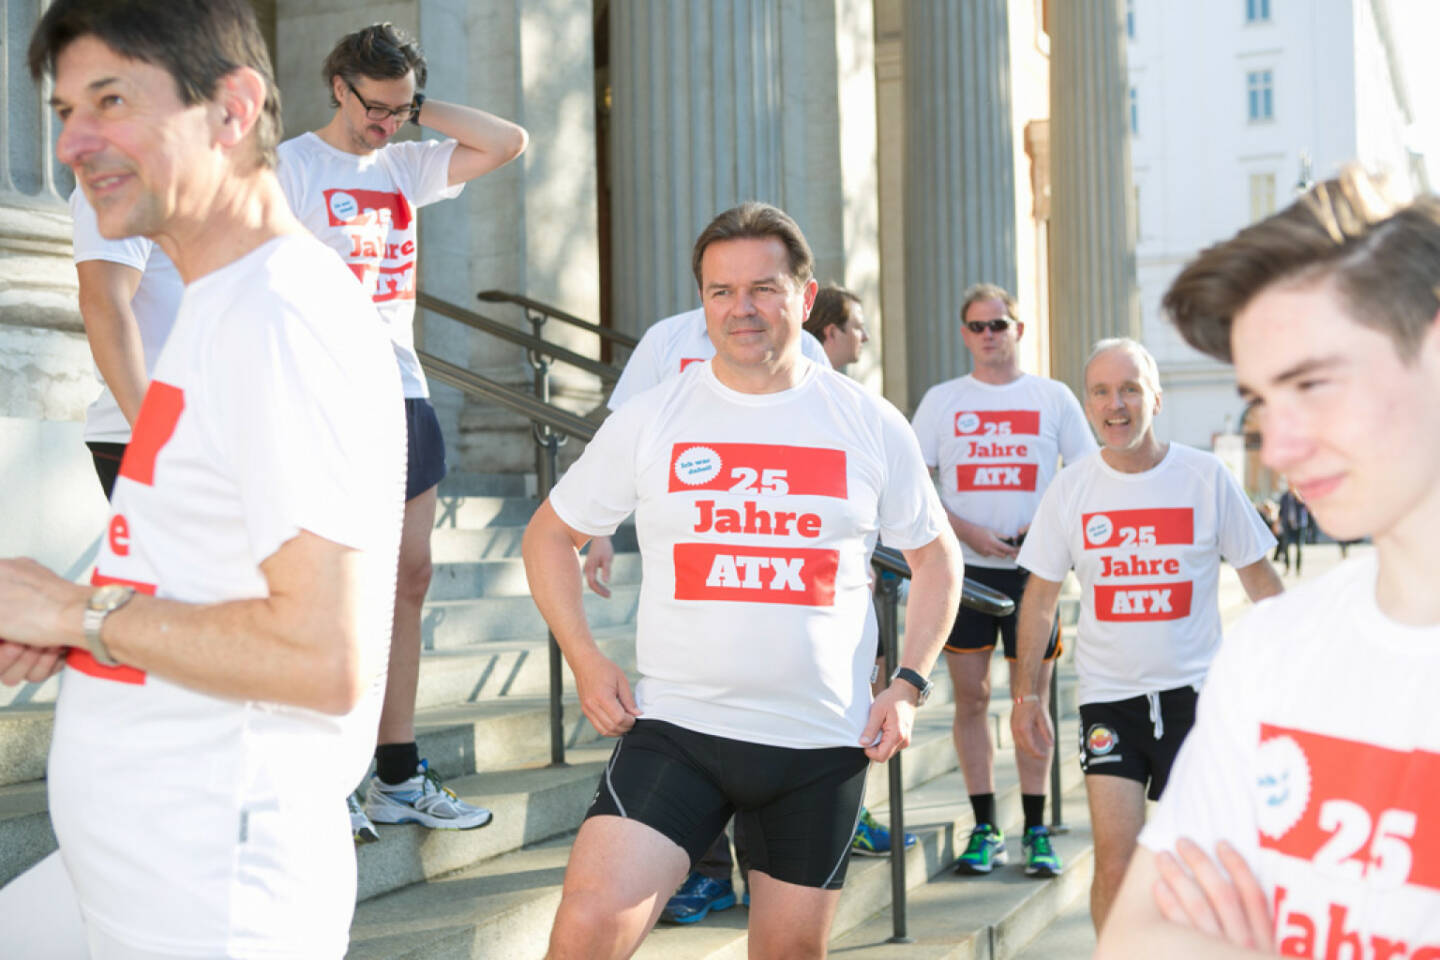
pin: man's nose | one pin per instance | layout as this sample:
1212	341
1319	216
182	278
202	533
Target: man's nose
77	141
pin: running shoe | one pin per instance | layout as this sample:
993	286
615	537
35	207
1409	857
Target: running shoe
873	840
422	799
1040	858
985	849
697	896
360	826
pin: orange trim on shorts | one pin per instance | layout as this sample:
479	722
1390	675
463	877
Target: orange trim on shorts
950	649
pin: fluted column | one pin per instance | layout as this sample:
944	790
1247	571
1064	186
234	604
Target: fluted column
959	175
695	128
1094	293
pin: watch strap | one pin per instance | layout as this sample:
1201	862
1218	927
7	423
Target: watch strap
915	680
419	102
94	620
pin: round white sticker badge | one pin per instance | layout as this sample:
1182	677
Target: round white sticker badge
1283	784
343	206
1099	529
697	465
967	423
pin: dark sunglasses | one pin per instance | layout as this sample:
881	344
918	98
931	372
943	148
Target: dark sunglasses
998	325
378	112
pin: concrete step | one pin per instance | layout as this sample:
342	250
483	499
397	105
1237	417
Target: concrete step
1068	935
459	484
453	624
505	577
451	545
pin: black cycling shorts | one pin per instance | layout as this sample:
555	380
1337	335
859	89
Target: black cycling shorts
1117	737
975	631
797	808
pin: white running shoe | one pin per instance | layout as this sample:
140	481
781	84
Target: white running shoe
422	799
360	826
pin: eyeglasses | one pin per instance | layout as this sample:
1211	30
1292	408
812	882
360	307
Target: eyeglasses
998	325
375	111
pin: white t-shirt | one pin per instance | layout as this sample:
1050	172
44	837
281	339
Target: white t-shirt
364	208
154	304
1316	754
199	824
673	345
1146	548
997	447
756	516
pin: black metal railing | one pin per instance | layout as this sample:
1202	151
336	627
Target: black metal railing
537	313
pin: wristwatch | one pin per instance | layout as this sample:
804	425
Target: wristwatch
916	681
418	102
101	604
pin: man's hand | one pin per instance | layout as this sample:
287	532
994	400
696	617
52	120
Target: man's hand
983	540
597	565
1030	726
892	717
22	664
605	696
1229	904
38	608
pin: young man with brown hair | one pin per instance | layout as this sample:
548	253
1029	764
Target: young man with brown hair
1313	771
838	321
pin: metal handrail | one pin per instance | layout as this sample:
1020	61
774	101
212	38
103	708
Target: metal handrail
973	594
543	348
473	384
605	333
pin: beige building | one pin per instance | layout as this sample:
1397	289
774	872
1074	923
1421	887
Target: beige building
915	143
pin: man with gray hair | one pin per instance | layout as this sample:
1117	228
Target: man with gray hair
1144	524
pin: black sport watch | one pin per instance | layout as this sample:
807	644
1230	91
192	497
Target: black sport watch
916	681
418	102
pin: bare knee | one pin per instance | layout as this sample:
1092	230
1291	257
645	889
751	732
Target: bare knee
790	945
586	925
972	698
412	580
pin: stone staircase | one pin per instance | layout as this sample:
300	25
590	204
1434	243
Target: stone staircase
482	721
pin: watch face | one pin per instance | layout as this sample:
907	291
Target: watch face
108	596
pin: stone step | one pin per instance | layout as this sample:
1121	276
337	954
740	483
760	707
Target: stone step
467	484
480	512
453	624
1069	934
505	577
451	545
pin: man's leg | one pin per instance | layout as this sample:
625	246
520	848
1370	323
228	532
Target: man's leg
970	678
788	920
620	873
707	887
1117	812
412	582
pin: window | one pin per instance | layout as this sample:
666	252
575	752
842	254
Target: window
1257	11
1134	113
1260	90
1262	195
1130	19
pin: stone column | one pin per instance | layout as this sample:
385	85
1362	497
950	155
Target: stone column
959	175
1094	293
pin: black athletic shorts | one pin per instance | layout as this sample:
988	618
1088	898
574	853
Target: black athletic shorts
976	631
107	457
797	808
425	446
1117	737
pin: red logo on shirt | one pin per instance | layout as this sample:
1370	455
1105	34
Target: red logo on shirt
347	208
996	476
687	361
1158	526
712	571
997	422
1357	811
81	660
159	413
758	469
1143	601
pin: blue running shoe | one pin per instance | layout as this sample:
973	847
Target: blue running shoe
697	896
873	840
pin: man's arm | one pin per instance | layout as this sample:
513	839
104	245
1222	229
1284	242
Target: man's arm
936	572
1260	580
549	549
1029	725
106	289
299	645
485	142
982	540
598	561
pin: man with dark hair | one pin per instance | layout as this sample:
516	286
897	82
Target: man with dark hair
759	482
996	437
1312	769
222	682
358	193
837	320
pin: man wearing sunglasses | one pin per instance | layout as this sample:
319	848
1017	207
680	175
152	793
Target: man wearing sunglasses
995	437
358	193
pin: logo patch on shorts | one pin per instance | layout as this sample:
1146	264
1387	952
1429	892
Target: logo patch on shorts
1100	739
697	465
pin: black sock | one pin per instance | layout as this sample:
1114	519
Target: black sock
1034	806
396	762
983	805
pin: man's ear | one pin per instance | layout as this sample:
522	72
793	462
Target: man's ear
239	101
1019	329
811	289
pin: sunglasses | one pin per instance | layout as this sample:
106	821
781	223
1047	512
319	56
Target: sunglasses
378	112
998	325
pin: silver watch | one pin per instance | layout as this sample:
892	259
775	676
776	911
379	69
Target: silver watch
103	602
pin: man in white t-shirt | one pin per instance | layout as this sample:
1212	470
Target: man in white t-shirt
129	293
759	483
1144	524
837	323
359	194
995	438
1314	766
223	681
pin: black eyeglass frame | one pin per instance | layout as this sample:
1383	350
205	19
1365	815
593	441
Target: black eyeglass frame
998	325
377	112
